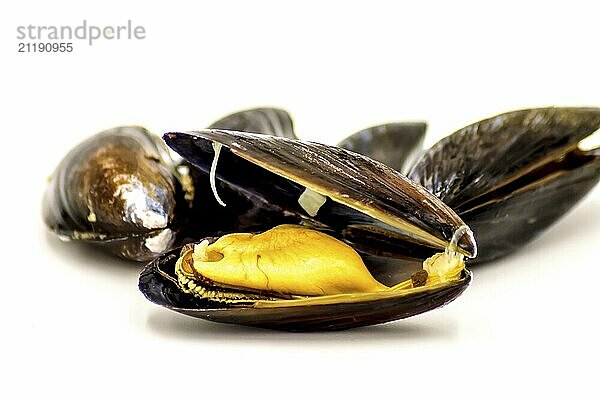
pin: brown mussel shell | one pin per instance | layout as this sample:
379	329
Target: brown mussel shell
117	190
158	284
365	198
121	190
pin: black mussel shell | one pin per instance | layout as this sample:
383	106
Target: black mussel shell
117	189
395	144
365	198
158	283
511	176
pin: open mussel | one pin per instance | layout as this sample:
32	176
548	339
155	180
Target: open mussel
122	190
508	177
368	245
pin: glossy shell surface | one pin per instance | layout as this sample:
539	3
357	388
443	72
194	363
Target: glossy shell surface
122	191
513	175
118	190
158	285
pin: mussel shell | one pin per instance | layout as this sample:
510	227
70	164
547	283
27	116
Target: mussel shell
395	144
157	283
367	195
505	224
465	167
81	202
117	189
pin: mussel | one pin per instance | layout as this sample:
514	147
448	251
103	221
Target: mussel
368	245
119	190
123	191
508	177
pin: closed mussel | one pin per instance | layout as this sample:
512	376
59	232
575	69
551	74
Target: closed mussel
117	189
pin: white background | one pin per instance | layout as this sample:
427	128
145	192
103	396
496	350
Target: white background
73	321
